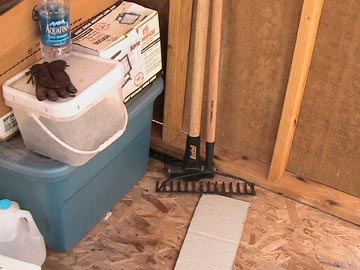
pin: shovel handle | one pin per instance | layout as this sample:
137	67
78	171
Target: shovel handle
214	70
197	83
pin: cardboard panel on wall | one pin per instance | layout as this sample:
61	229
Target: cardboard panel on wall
326	148
17	24
19	48
257	48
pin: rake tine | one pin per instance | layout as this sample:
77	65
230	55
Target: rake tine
216	187
171	186
210	187
231	191
248	188
178	187
252	189
160	186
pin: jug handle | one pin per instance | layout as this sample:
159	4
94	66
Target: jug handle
34	231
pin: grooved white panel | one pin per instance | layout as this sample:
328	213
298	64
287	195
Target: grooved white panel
214	234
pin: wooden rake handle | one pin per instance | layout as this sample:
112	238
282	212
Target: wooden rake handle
197	83
214	70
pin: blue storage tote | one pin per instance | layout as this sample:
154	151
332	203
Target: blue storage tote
67	202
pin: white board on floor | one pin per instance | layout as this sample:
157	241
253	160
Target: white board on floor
214	234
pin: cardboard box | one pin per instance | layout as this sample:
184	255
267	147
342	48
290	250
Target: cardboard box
129	33
21	47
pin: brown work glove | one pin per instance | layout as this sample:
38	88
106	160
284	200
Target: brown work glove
51	81
57	71
45	85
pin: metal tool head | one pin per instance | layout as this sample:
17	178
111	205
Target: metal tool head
206	187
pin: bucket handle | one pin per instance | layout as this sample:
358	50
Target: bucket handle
101	147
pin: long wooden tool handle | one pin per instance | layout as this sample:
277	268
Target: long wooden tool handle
214	74
214	70
192	159
197	84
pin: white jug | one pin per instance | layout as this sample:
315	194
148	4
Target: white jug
20	238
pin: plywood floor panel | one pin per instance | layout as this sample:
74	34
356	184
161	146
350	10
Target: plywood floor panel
146	231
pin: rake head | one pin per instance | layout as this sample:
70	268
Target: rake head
205	187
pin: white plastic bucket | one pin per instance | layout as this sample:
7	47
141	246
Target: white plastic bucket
75	129
100	148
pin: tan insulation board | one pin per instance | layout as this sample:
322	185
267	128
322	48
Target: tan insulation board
257	47
214	234
327	140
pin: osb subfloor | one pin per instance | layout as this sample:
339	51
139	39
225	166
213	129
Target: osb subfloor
146	230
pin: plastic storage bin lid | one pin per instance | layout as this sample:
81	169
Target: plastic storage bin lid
91	73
